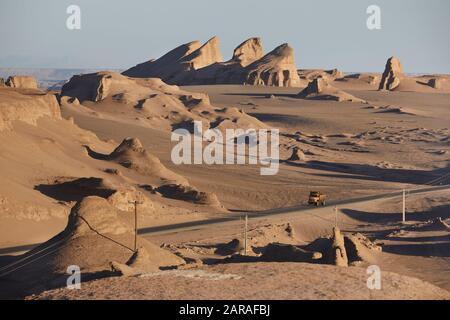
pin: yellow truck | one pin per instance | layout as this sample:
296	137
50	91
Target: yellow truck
316	198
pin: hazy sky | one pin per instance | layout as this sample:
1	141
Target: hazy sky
324	34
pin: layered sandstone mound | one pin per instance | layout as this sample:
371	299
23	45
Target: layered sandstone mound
235	246
364	78
337	254
345	249
24	82
280	252
393	72
179	61
248	52
93	86
139	263
311	74
188	193
320	89
277	68
27	107
95	236
132	155
151	100
190	64
204	56
66	189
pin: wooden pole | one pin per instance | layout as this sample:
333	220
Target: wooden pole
245	234
335	216
404	206
135	222
135	226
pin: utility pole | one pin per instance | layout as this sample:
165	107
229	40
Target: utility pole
135	222
404	206
335	216
245	234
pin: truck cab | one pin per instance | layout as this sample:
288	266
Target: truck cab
316	198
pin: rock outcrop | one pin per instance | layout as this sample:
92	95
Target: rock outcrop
23	82
280	252
96	235
94	86
204	56
190	64
152	101
139	263
180	62
2	83
188	193
297	155
235	246
320	89
276	68
29	108
311	74
393	72
337	254
345	249
435	83
248	52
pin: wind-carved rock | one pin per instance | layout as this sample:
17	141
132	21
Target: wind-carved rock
338	254
194	64
248	52
276	68
320	89
24	82
393	72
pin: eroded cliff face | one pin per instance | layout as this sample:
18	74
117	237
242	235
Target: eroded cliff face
248	52
191	64
276	68
26	107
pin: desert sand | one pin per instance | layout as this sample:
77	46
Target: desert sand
74	162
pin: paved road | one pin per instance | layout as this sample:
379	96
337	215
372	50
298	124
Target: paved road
179	227
201	224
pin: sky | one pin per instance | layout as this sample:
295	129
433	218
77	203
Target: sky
324	33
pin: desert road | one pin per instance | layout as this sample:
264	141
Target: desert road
301	209
202	224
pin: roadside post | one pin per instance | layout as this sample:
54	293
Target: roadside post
135	222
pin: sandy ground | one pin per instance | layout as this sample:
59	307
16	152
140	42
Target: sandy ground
277	281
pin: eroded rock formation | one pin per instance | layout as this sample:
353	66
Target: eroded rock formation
392	74
191	64
24	82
